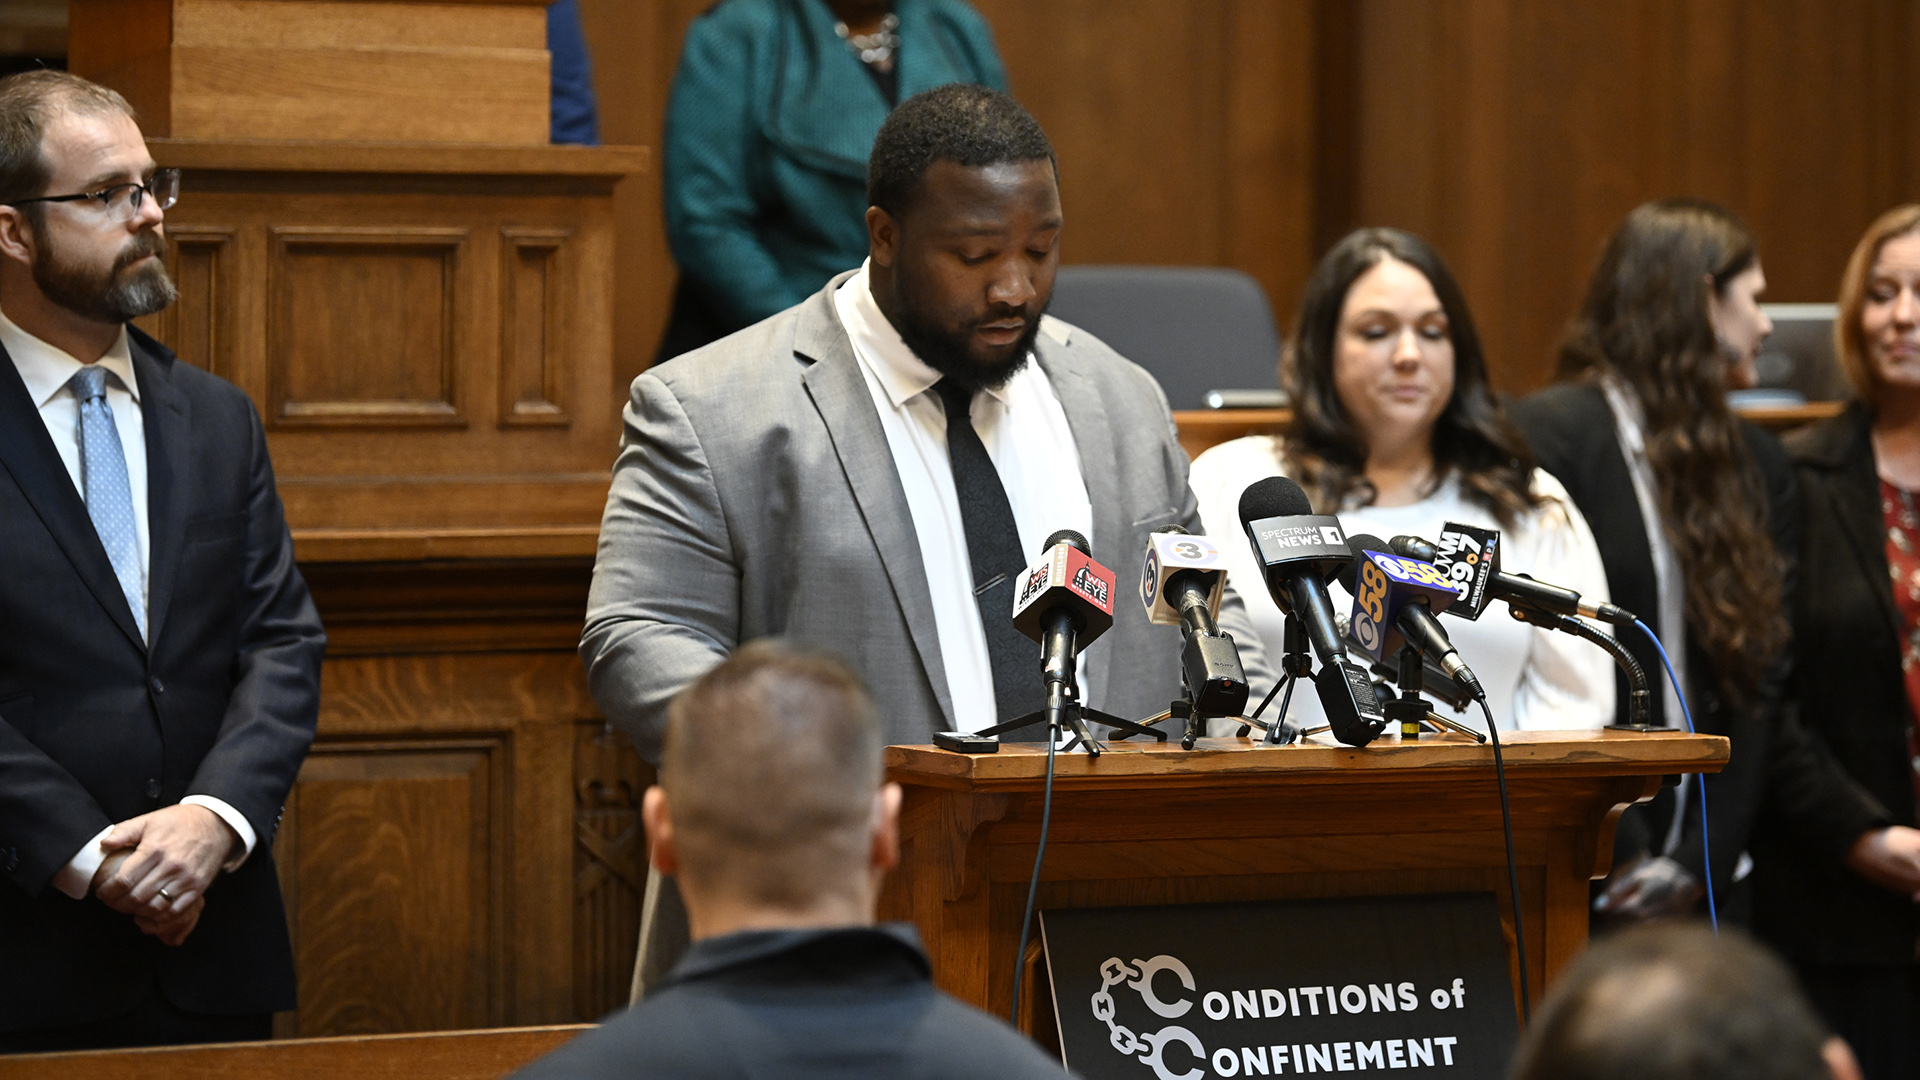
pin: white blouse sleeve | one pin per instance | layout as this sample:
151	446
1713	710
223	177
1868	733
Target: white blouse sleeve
1566	682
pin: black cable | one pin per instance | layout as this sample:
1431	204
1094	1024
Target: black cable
1033	886
1513	873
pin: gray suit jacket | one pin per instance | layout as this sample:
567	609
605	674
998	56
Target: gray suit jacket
755	495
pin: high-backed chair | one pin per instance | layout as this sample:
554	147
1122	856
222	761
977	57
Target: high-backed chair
1196	329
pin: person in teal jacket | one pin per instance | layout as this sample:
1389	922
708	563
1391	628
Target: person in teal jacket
774	109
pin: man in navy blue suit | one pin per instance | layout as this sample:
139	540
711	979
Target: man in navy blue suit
159	652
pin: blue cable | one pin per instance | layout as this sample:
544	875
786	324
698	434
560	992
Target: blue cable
1706	853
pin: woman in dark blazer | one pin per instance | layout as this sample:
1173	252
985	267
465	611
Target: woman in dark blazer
1639	430
1842	908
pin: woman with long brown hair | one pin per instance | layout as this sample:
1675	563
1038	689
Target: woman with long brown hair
1856	617
1693	510
1395	429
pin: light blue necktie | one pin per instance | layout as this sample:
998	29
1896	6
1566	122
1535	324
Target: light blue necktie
103	471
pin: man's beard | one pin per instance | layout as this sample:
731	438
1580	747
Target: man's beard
947	351
114	295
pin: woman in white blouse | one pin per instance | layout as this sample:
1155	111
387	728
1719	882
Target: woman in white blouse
1395	430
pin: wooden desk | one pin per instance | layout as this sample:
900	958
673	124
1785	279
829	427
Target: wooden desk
1149	824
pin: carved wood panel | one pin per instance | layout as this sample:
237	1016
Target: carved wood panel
535	281
610	867
198	327
364	326
395	855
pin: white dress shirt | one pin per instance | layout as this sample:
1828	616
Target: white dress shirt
1025	432
1535	679
1629	427
46	370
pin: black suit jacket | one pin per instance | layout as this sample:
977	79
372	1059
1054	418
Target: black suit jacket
1847	638
1773	759
97	727
839	1003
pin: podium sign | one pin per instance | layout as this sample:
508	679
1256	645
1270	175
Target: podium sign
1367	985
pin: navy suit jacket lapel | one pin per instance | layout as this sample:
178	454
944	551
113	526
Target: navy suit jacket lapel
839	392
168	417
27	454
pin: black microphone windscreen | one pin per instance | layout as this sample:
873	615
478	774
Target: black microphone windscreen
1175	528
1067	536
1275	496
1358	543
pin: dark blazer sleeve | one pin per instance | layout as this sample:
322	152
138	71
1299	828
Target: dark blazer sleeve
1774	759
46	815
1822	808
275	703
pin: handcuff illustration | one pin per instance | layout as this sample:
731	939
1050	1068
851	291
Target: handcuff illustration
1151	1046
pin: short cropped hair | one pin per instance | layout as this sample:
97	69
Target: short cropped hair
959	122
1849	341
1673	1001
29	103
771	764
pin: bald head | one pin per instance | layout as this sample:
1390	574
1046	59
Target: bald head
1674	1002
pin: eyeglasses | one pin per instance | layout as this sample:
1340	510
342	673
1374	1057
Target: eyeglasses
122	201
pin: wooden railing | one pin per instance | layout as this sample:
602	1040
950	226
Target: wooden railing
448	1055
1203	428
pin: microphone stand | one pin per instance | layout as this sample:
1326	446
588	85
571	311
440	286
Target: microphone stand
1063	711
1409	709
1638	694
1296	663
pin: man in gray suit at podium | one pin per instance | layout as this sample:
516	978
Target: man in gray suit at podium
802	477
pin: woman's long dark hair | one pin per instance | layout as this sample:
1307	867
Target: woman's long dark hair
1646	321
1324	451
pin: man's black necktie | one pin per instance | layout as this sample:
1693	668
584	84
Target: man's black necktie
993	547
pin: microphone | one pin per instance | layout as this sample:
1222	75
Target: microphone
1064	602
1393	604
1298	550
1434	681
1182	582
1473	564
1470	557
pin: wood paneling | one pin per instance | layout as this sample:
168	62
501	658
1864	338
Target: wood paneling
461	1055
364	326
1184	132
311	69
1516	135
394	856
462	848
636	47
199	326
535	281
427	331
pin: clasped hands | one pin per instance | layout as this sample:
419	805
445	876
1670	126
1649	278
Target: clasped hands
159	865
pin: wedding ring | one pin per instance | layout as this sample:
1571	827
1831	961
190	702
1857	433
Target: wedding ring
165	895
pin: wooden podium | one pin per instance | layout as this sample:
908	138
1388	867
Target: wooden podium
1148	824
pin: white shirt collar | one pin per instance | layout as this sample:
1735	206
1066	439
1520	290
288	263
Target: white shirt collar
46	368
901	373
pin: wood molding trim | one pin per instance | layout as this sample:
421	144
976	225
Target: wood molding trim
382	365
